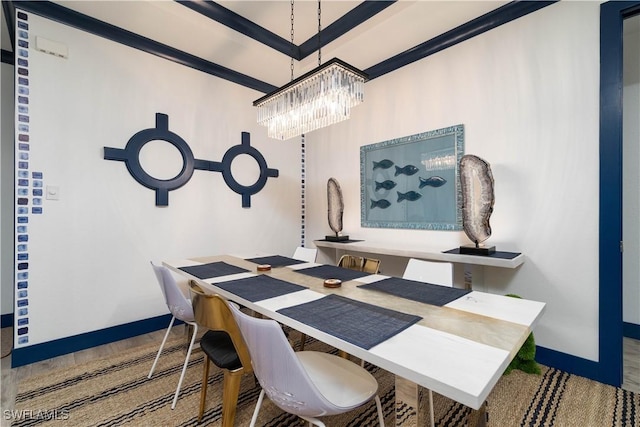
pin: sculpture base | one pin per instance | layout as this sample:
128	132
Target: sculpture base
473	250
336	238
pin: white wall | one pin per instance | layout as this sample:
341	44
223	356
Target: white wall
631	161
6	190
527	94
90	250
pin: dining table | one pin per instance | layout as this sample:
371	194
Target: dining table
454	342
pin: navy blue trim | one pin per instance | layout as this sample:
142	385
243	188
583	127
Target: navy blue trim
631	330
568	363
8	57
224	16
77	20
37	352
477	26
10	18
612	15
6	320
344	24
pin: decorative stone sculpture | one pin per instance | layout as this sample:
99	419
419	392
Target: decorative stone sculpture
335	209
476	180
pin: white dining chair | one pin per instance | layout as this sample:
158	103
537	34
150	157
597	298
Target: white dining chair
437	273
180	307
308	384
305	254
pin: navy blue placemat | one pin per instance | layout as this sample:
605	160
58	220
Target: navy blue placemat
213	269
276	260
339	241
259	287
427	293
496	254
332	272
359	323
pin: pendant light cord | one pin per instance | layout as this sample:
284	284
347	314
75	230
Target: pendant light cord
292	45
319	30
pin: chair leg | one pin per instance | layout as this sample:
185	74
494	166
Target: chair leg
313	421
184	367
230	391
303	339
164	340
432	409
255	412
203	390
380	414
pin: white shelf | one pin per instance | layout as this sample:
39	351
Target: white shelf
421	252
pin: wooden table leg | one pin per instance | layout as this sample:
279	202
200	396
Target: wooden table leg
478	417
412	404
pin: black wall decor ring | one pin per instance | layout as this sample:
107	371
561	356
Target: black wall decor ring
131	156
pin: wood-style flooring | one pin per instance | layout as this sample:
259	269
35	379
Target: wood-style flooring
11	377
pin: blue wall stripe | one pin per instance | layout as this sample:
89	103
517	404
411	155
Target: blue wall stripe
610	260
74	19
6	320
486	22
8	57
631	330
37	352
9	11
568	363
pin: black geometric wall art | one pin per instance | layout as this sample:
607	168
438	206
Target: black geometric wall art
130	155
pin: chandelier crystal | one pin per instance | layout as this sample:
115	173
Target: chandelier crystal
317	99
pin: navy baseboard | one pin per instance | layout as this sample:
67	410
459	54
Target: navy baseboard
631	330
6	320
37	352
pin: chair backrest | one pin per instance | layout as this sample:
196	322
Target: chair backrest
371	265
351	262
279	371
305	254
177	303
436	272
213	313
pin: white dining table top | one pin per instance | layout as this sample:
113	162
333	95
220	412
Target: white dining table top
459	350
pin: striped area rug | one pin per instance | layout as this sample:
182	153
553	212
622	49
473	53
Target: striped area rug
116	392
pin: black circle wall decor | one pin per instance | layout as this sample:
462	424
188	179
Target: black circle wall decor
130	155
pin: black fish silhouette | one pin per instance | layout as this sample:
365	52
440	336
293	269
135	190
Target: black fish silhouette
407	170
383	164
433	181
387	185
382	204
412	196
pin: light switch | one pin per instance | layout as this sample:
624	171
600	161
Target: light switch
53	192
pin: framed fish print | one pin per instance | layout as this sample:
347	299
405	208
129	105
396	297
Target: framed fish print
413	182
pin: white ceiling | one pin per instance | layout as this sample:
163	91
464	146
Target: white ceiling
397	28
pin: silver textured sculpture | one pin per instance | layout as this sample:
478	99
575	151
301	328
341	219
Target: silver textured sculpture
478	197
335	209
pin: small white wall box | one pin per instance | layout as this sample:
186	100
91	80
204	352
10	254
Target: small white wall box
52	47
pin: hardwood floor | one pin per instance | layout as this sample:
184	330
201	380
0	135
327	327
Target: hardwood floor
11	377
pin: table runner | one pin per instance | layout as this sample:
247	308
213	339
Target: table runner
359	323
332	272
259	287
497	254
427	293
213	269
276	260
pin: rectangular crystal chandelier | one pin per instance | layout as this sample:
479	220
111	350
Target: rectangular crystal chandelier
319	98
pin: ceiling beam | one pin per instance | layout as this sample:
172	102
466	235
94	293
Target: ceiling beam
100	28
484	23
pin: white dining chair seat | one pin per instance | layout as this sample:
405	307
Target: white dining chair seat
350	386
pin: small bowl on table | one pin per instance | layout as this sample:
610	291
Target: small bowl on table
332	283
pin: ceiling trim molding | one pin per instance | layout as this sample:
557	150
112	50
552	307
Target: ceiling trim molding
100	28
508	12
484	23
239	23
335	30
